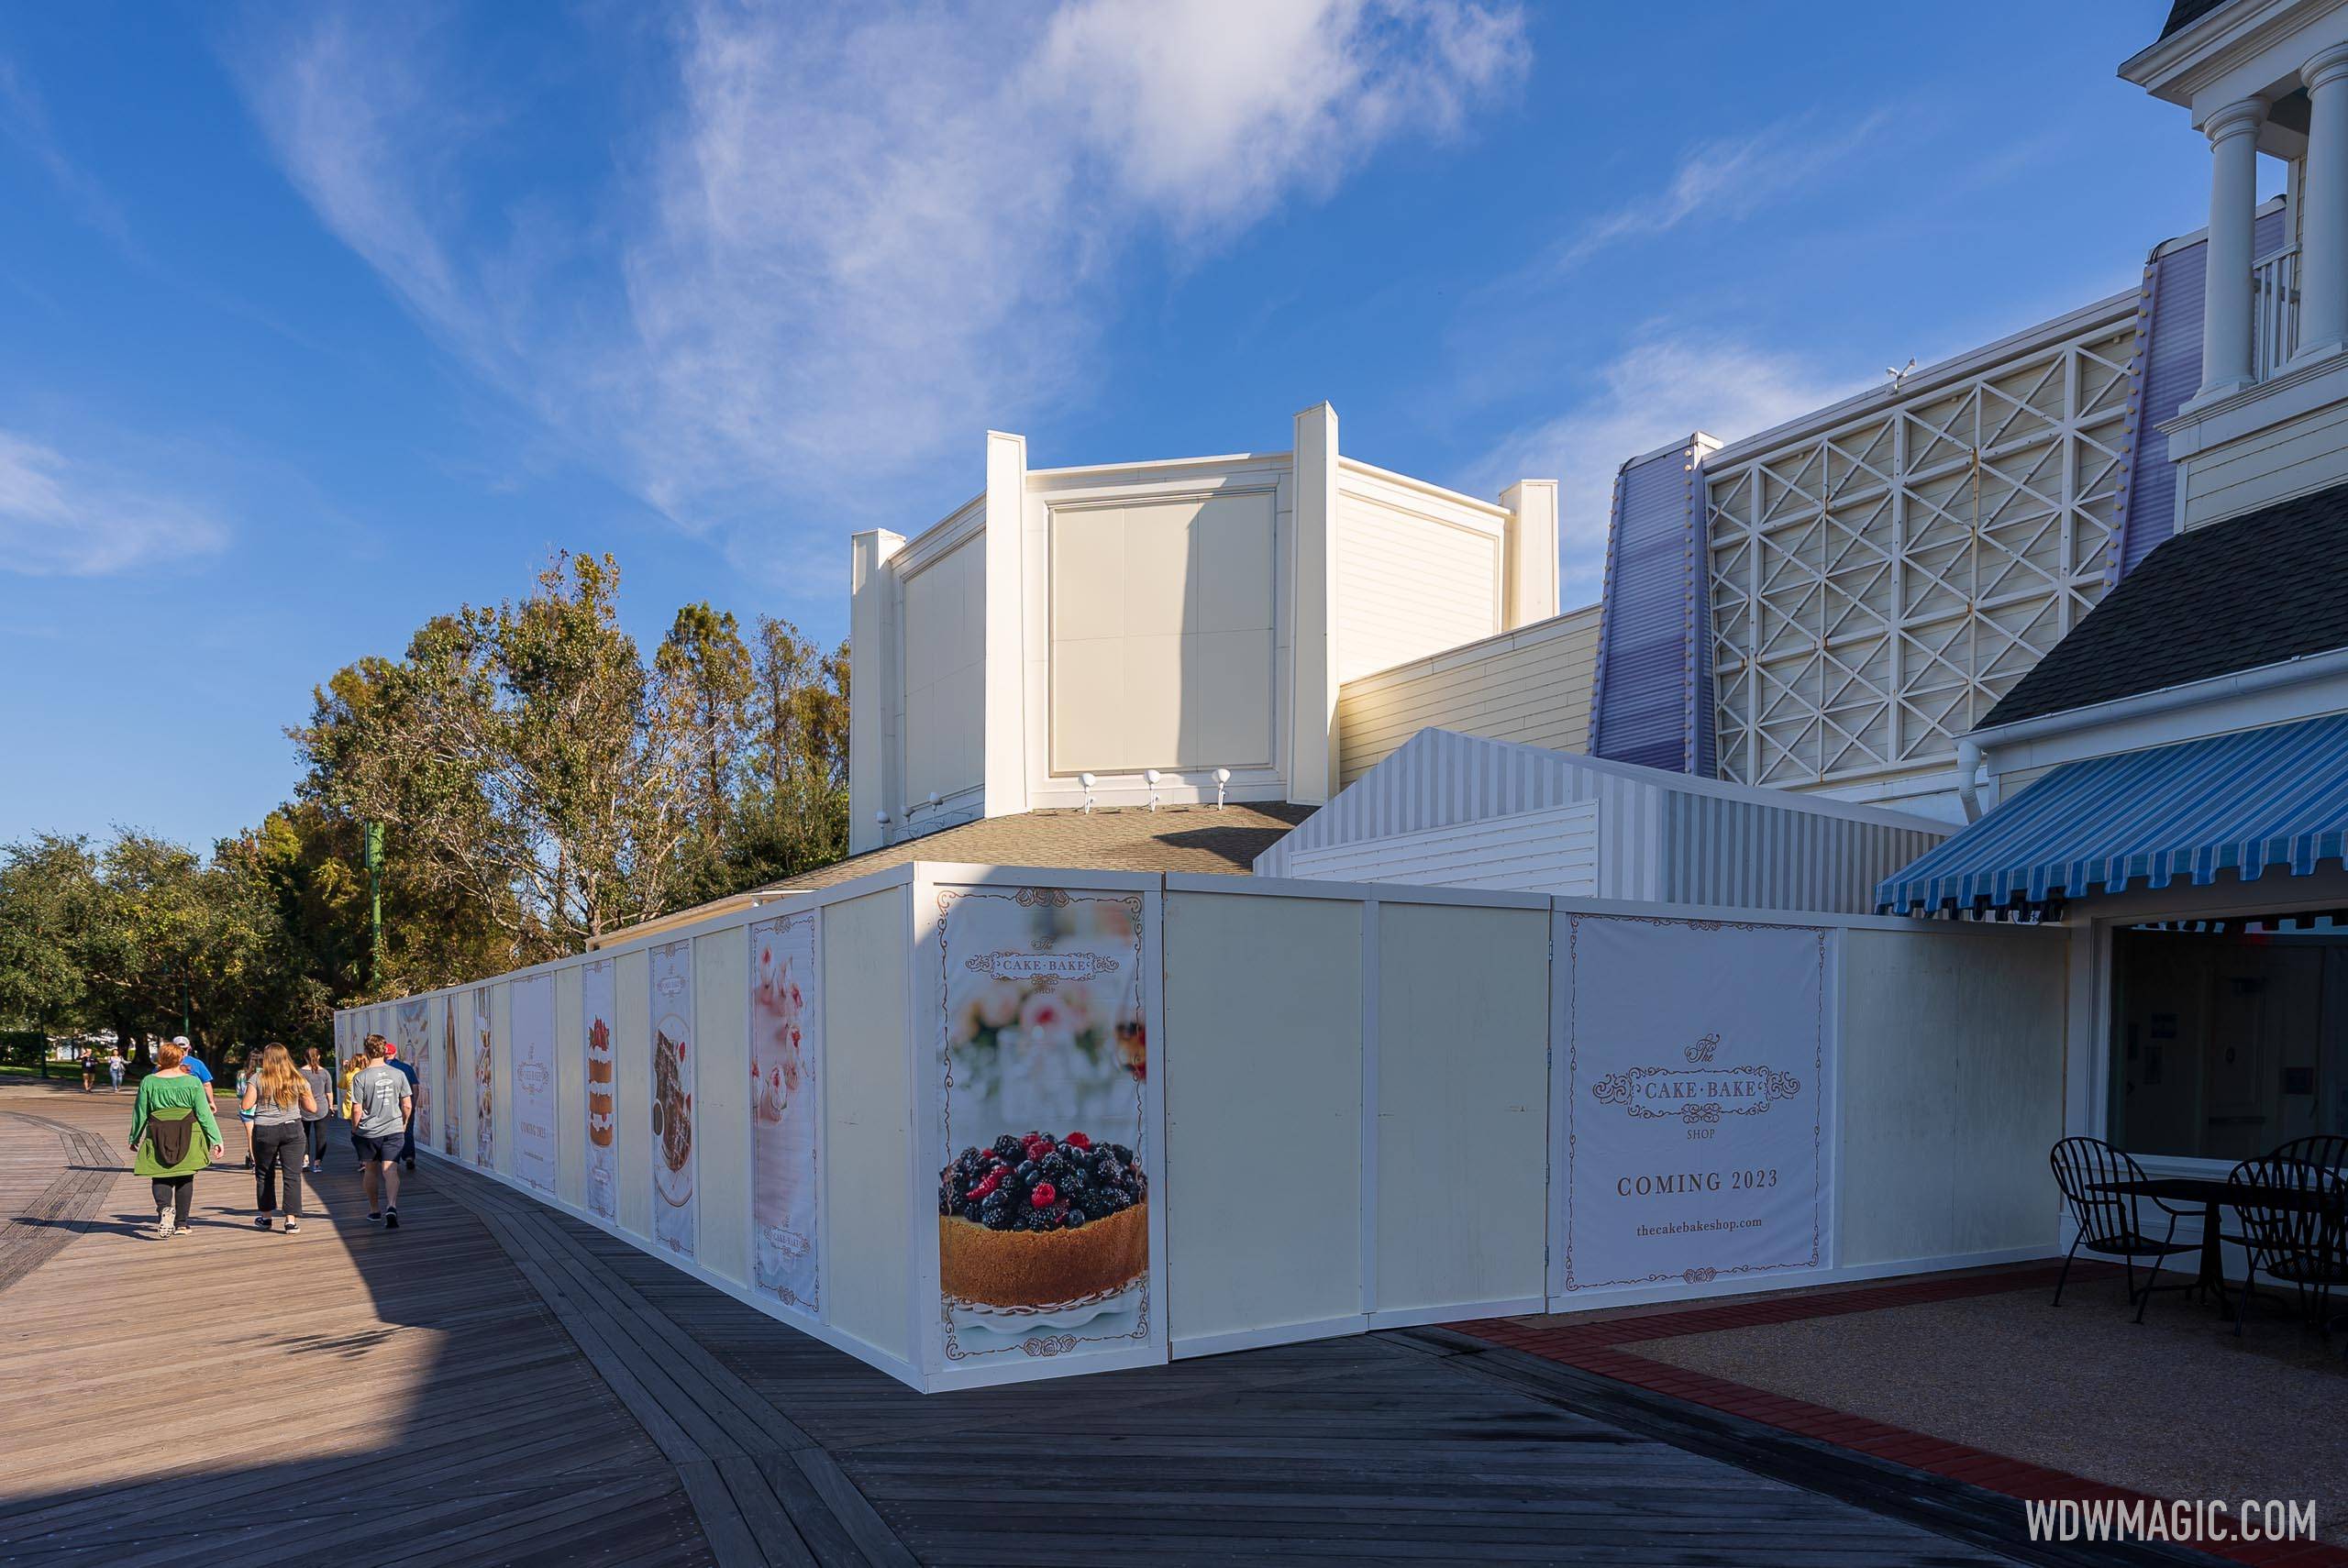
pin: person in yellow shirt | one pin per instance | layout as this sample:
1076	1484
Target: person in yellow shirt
349	1071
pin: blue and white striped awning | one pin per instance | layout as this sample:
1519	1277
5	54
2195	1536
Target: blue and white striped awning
2199	809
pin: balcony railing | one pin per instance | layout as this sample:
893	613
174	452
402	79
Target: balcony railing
2275	311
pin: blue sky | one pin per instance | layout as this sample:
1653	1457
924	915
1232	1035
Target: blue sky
314	321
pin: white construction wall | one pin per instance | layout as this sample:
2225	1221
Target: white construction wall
1350	1100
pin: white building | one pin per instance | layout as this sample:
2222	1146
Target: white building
1193	617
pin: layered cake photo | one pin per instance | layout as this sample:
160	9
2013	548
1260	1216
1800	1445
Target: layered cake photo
1038	1225
599	1084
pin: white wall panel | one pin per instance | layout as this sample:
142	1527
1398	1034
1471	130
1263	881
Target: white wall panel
1161	633
570	1088
944	627
1263	1051
868	1116
632	1071
1416	572
1463	1044
721	1103
1952	1091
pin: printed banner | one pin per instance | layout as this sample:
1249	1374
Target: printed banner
674	1217
603	1165
1695	1087
450	1114
412	1032
413	1021
786	1109
530	1046
484	1073
1043	1206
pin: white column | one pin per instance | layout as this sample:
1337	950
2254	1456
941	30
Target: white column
1530	587
874	690
2233	205
1005	744
2324	217
1313	750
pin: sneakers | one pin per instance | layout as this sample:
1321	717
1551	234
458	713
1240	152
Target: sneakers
293	1226
374	1217
260	1221
165	1223
391	1218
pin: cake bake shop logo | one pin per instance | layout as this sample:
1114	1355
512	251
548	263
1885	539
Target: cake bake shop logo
1697	1093
1048	970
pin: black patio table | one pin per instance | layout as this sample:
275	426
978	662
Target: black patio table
2212	1193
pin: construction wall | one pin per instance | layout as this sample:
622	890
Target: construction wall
1340	1107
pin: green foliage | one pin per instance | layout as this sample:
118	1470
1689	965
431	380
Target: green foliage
539	783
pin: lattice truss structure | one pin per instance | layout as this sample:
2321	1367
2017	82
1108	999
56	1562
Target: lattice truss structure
1876	588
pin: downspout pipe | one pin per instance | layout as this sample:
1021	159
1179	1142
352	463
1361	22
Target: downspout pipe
1969	775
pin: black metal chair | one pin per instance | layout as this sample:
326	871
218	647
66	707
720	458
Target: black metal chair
2109	1223
2305	1246
2324	1151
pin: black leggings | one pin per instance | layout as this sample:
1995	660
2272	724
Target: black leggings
176	1192
277	1149
314	1140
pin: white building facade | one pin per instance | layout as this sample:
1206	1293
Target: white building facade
1191	618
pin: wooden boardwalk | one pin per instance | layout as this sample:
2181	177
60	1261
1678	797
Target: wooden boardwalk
496	1383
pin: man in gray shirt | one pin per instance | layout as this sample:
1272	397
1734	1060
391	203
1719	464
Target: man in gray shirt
380	1105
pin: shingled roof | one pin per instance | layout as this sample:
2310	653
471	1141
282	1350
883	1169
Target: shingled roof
2185	12
1124	838
2257	590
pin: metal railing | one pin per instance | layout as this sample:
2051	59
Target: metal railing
2275	311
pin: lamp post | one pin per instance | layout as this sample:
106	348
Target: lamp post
374	904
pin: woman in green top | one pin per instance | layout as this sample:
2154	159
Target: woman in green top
173	1105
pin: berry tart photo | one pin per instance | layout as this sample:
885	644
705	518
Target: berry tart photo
1042	1228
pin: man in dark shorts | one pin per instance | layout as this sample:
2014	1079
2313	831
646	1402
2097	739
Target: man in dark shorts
379	1111
407	1070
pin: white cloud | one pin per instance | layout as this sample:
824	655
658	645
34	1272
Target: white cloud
1663	387
58	519
1212	110
1730	177
850	242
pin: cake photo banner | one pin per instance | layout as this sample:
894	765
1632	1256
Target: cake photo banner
786	1110
1042	1066
451	1114
1696	1081
484	1076
413	1021
674	1219
530	1043
595	1012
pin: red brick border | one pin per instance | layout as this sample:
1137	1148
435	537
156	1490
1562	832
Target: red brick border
1597	1346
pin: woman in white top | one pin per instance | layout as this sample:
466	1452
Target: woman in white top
314	1117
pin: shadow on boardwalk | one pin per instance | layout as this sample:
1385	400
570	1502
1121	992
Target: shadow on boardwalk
496	1383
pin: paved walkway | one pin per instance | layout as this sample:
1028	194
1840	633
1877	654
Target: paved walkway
496	1383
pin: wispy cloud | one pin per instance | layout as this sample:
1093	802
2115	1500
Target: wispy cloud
62	518
1730	177
1664	387
850	242
24	119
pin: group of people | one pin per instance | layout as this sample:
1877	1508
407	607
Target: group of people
114	1066
285	1110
